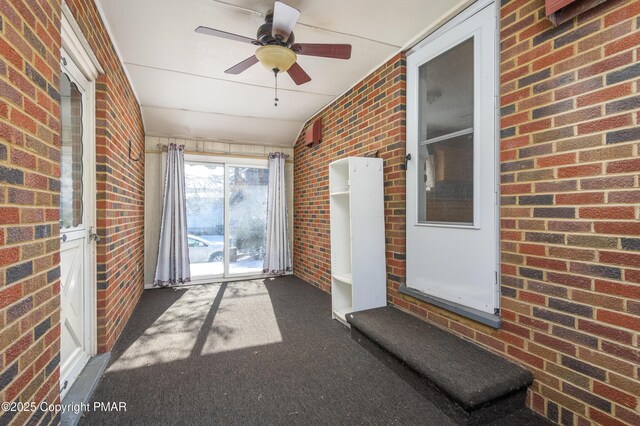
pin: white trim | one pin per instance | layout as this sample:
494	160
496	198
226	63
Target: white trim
496	126
446	18
452	21
77	45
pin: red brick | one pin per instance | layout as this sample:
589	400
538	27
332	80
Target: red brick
580	198
553	58
604	95
578	116
534	249
624	290
629	11
17	348
632	275
603	419
606	65
606	331
9	215
10	295
556	160
579	171
624	166
525	357
624	43
617	228
606	213
545	263
605	124
618	258
618	319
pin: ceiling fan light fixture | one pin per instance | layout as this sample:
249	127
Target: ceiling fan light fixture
275	57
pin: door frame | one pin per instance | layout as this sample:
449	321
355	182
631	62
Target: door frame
492	320
75	49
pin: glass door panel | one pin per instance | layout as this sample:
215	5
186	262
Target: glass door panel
71	106
445	145
204	185
247	218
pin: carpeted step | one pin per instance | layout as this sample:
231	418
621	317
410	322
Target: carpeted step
484	385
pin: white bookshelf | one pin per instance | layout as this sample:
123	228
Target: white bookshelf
358	267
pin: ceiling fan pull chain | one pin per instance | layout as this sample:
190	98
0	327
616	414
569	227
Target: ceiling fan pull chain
275	74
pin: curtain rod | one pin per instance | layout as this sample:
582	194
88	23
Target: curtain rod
163	148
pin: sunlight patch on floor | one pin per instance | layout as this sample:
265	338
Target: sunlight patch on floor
172	336
245	319
202	322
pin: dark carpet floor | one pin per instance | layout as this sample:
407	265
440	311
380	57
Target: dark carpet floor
252	352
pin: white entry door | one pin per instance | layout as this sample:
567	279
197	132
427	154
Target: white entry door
451	176
77	248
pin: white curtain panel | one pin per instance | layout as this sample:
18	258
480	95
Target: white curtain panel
277	258
173	253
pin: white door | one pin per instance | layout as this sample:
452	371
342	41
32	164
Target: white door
77	253
451	176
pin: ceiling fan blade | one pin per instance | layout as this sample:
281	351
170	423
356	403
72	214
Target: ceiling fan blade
242	66
284	19
223	34
298	75
336	51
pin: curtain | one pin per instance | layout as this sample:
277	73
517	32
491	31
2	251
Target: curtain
173	252
277	258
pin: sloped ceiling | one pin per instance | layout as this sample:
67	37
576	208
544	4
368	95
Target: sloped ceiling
178	75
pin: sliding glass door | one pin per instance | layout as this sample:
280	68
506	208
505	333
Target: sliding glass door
226	217
247	218
205	218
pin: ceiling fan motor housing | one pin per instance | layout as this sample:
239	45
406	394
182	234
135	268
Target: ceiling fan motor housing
265	37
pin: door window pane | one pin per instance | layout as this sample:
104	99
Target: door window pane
446	145
446	168
247	218
204	184
446	92
71	154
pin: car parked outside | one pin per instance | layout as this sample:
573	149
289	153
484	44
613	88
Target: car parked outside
204	251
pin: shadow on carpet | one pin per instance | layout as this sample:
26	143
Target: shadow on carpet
251	352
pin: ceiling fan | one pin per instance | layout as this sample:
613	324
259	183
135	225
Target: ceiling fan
277	49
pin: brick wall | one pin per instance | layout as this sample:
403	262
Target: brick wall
570	230
29	200
369	117
29	197
570	236
120	183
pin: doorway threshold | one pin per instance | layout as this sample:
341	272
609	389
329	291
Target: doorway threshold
218	280
78	397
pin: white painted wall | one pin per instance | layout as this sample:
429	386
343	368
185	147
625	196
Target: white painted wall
154	182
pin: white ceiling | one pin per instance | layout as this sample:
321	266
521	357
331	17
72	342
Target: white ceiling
178	75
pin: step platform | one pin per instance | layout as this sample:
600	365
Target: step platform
470	384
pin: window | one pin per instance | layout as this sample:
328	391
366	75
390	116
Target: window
445	148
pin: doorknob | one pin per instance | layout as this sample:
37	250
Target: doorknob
63	237
93	236
406	161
